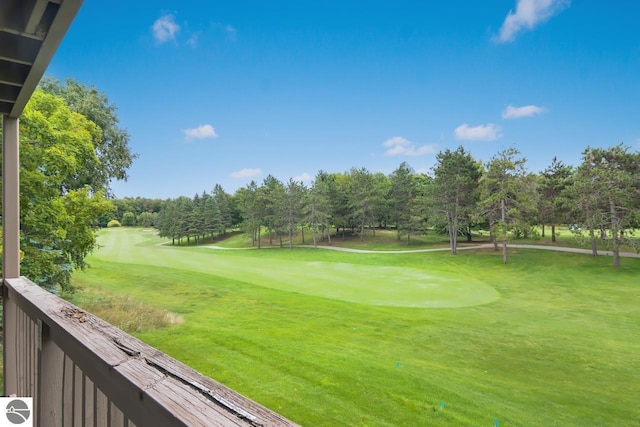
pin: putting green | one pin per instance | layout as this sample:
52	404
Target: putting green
386	285
378	285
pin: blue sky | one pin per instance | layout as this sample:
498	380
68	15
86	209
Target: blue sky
226	92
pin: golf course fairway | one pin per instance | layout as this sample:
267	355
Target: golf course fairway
331	338
364	284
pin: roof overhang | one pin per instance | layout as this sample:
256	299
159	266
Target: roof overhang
30	33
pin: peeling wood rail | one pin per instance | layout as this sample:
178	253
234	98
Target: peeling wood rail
82	371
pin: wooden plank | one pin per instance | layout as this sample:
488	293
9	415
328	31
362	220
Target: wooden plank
89	402
50	379
117	417
67	391
102	409
10	353
32	356
78	397
20	344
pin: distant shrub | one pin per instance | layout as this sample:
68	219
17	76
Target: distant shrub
129	219
114	223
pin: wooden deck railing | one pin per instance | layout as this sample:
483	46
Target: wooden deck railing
82	371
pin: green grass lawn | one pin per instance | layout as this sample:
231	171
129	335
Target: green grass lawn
332	339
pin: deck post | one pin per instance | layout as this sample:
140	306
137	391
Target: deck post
10	234
11	198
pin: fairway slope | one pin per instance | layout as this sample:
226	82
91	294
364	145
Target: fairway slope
330	338
380	285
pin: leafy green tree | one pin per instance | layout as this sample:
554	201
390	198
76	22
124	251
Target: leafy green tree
129	219
362	197
249	204
271	199
146	219
403	201
421	208
554	180
319	205
340	201
401	196
184	212
294	201
606	188
57	221
508	193
455	191
110	142
168	220
213	224
381	185
196	218
229	215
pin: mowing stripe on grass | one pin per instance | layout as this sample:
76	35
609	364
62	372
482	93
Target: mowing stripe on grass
363	284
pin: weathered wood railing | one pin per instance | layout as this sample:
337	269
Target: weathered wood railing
82	371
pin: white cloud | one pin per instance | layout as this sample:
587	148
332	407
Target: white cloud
246	173
231	32
401	146
489	132
512	112
201	132
165	28
305	177
528	14
193	40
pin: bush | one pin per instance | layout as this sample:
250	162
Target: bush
114	223
129	219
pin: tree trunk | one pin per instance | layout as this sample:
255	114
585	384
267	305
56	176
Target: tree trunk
553	233
313	234
492	235
302	230
504	231
594	242
614	234
259	244
453	236
543	232
290	238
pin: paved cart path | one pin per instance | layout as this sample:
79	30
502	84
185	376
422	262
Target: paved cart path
460	248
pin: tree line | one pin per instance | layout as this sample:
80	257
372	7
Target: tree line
72	148
460	195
